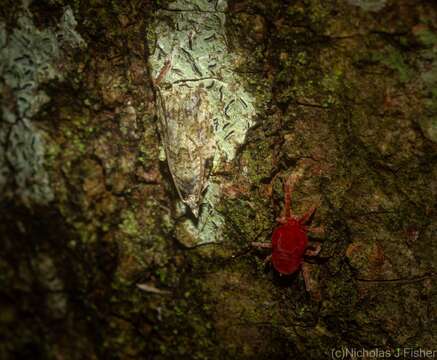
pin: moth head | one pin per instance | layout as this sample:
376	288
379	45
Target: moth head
193	203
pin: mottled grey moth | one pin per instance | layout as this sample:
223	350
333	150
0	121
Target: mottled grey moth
185	125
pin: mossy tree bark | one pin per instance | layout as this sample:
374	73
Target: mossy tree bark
348	101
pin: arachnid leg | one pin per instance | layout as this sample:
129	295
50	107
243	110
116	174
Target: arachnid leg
307	215
306	270
281	220
311	284
288	190
316	247
262	245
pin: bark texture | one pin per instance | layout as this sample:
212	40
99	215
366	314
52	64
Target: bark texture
96	261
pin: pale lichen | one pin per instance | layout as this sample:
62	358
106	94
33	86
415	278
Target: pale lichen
28	59
190	36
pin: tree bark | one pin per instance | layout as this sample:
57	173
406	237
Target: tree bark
101	259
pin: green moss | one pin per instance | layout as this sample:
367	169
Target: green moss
129	224
333	81
245	223
426	36
395	60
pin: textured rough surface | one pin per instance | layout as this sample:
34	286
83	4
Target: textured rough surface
349	102
369	5
204	110
28	59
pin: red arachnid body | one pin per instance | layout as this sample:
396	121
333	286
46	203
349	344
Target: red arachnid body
289	240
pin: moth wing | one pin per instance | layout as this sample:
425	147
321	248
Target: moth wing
186	131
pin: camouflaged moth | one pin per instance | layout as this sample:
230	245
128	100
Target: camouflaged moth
185	125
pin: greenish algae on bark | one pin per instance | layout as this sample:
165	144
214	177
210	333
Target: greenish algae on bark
351	106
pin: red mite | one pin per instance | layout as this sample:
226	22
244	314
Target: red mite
290	241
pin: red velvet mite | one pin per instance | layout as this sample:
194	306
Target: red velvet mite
289	240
